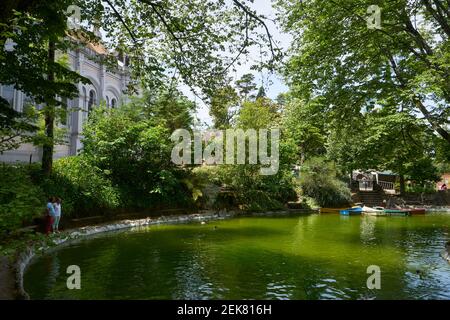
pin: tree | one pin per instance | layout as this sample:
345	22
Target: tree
442	157
179	36
198	40
261	93
166	106
319	181
134	152
246	86
259	114
252	190
32	38
15	127
404	62
384	140
305	124
223	108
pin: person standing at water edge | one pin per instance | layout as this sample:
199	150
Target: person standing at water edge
49	216
57	217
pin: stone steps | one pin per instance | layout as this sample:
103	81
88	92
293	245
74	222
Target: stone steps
370	198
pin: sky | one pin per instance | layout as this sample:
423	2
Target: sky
276	87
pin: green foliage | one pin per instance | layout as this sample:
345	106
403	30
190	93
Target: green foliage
135	153
318	180
442	159
17	243
259	114
256	192
15	127
32	33
193	37
385	140
246	85
305	124
443	167
253	191
356	93
21	199
261	93
428	187
26	66
204	183
356	69
421	171
223	107
187	36
83	187
166	106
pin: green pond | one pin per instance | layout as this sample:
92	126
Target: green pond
294	257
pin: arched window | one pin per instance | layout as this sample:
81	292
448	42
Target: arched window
92	100
113	102
107	101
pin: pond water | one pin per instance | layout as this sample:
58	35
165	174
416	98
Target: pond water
294	257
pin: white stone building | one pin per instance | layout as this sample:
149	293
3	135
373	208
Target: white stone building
106	86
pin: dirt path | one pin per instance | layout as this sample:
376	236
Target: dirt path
7	287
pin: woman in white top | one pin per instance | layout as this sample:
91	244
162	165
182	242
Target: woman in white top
57	217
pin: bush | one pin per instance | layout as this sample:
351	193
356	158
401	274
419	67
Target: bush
429	187
136	153
20	199
82	186
318	180
256	192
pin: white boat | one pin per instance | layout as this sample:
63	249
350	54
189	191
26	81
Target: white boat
375	211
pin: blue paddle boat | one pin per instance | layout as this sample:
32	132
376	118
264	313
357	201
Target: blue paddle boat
351	211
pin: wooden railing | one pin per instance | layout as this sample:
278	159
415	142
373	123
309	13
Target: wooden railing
368	185
386	185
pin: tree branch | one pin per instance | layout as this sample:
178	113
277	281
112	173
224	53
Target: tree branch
122	21
244	46
257	18
418	103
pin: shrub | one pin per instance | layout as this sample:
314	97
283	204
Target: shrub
82	186
136	154
318	180
256	192
20	199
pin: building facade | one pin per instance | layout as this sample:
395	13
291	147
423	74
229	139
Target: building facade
106	86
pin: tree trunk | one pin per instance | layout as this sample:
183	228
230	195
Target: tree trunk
47	148
440	130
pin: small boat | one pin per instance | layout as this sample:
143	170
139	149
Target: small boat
351	212
397	212
375	211
417	210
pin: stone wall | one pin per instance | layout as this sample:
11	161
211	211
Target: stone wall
438	199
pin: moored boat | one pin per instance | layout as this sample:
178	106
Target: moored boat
351	211
417	210
375	211
397	212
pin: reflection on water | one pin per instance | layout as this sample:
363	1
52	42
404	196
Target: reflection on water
300	257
